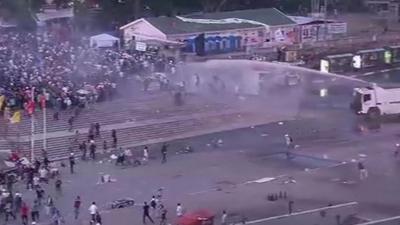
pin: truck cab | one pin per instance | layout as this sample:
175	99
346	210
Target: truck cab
375	101
363	101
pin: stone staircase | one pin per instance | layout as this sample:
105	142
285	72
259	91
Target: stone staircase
144	134
118	111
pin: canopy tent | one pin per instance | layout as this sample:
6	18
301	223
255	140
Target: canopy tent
103	40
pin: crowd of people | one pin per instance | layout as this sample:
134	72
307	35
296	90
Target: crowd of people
70	71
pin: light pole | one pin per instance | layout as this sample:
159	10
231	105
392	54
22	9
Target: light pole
32	124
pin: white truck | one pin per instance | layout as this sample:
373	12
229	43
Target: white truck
375	101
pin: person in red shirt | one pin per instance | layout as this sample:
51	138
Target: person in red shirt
24	213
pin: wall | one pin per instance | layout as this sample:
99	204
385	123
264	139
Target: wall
310	33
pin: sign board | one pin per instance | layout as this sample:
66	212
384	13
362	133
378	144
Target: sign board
140	46
337	28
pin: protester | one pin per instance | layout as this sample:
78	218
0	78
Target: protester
179	210
77	206
71	162
93	211
164	153
24	213
146	213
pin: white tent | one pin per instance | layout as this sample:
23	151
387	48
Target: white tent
103	40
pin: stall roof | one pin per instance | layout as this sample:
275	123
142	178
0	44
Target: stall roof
371	50
340	55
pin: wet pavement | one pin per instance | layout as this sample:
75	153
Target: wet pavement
250	165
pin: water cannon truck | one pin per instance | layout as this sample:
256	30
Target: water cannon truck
375	101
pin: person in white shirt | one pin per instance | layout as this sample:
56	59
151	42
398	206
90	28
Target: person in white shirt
36	181
145	154
223	218
93	211
43	175
179	210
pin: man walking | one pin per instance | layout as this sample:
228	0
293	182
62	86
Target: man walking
35	211
93	211
24	214
164	153
146	213
77	206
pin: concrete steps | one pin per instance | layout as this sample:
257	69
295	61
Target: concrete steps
138	135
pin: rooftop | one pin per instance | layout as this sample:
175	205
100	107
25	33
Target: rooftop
208	22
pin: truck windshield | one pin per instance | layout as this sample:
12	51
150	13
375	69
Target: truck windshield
357	101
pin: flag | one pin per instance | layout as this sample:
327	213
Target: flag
2	99
30	107
16	118
42	101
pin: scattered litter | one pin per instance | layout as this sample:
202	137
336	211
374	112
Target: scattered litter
264	135
239	116
252	127
280	123
113	156
348	182
106	178
324	156
353	160
208	145
362	155
263	180
335	179
297	146
307	170
242	98
101	161
157	111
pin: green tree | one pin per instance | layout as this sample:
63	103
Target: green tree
21	9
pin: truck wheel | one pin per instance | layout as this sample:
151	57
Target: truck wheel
374	113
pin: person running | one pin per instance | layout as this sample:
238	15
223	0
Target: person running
77	206
71	162
146	213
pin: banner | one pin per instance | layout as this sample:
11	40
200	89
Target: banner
16	118
42	101
30	107
2	99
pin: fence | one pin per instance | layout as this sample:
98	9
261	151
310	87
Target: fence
331	215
